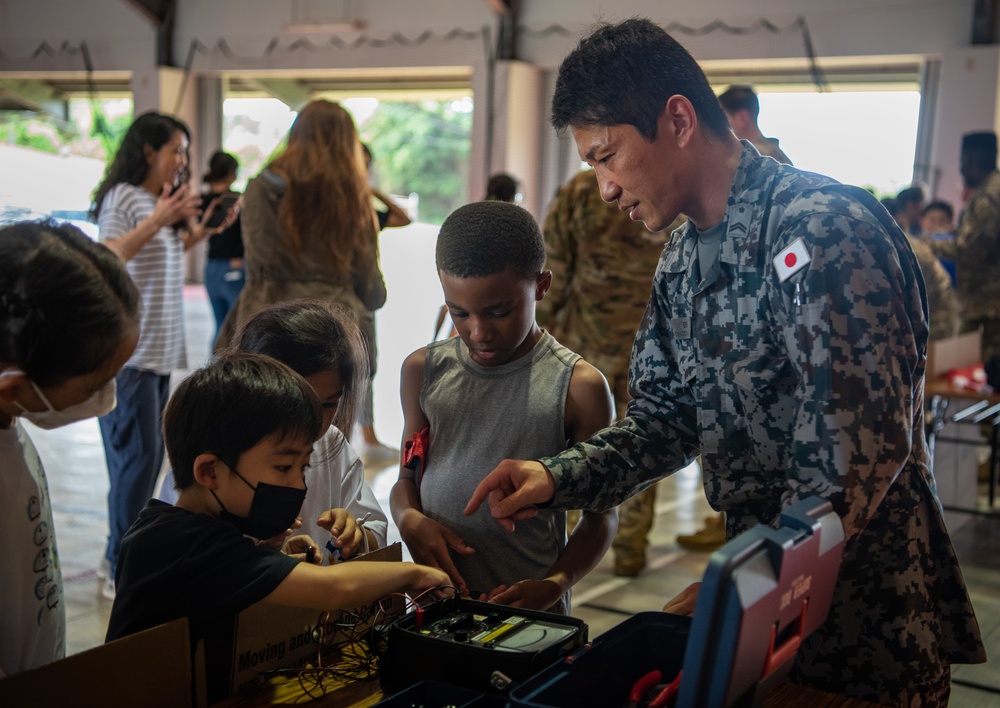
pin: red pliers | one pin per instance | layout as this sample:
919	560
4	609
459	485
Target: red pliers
651	685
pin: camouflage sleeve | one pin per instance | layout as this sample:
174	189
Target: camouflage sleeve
980	225
852	324
941	300
560	257
658	436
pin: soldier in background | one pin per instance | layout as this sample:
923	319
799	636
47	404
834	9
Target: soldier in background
602	267
976	249
742	108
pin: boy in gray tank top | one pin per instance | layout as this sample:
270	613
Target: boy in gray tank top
503	388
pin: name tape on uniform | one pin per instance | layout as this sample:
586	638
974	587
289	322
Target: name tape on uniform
791	259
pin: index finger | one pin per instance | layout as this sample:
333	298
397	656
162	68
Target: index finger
482	492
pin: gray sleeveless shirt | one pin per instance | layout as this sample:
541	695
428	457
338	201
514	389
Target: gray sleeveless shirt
479	416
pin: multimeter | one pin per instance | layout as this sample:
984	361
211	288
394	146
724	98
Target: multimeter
481	645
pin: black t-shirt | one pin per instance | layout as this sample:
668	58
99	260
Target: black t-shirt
175	563
229	243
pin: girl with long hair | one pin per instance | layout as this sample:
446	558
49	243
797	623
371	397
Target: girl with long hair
309	228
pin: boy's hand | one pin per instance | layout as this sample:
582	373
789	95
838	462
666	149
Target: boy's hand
278	542
299	546
426	578
347	536
429	542
684	603
530	594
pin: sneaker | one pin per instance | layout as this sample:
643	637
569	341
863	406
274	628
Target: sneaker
108	589
104	569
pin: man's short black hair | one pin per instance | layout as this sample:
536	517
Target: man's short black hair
231	405
740	98
939	205
981	149
910	195
623	74
484	238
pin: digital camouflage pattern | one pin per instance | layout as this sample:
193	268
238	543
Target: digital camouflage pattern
942	304
811	386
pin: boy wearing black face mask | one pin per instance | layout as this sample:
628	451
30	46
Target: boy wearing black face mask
238	434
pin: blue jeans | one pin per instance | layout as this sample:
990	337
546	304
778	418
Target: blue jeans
223	283
133	448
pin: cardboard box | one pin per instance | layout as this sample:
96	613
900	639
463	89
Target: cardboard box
152	669
269	637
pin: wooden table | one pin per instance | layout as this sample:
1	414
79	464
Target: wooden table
984	409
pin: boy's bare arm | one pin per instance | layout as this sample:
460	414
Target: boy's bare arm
348	585
588	403
428	541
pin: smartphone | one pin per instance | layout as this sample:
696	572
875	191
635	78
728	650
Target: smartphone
225	202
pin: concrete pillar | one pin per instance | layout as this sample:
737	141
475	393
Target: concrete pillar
967	101
166	90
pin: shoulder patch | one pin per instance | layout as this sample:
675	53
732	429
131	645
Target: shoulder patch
791	259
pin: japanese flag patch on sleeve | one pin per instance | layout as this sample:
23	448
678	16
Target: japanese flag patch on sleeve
791	259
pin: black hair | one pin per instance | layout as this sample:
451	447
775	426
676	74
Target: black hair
890	205
980	150
501	188
483	238
312	336
66	302
220	165
940	205
740	98
129	164
231	405
910	195
623	74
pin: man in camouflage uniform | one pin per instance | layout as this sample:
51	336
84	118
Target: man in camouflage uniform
942	303
791	357
976	248
602	267
742	108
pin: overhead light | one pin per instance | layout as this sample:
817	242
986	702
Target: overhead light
323	27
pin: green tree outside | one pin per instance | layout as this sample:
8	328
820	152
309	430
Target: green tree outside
424	148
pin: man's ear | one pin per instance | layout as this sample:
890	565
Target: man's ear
206	467
543	284
679	119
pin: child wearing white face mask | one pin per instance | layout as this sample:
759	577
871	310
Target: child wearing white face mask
69	321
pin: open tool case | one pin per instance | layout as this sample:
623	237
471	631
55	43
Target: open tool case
762	594
477	645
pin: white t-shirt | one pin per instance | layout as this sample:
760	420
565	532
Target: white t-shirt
335	480
32	609
158	272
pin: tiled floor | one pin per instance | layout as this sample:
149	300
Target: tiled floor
74	460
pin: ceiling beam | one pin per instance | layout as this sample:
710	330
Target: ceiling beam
290	92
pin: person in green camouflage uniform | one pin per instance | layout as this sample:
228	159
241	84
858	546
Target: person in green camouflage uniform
742	108
792	359
942	303
602	267
976	248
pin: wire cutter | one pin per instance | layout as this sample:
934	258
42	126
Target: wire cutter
650	692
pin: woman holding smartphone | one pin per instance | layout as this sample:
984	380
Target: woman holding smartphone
148	216
224	272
